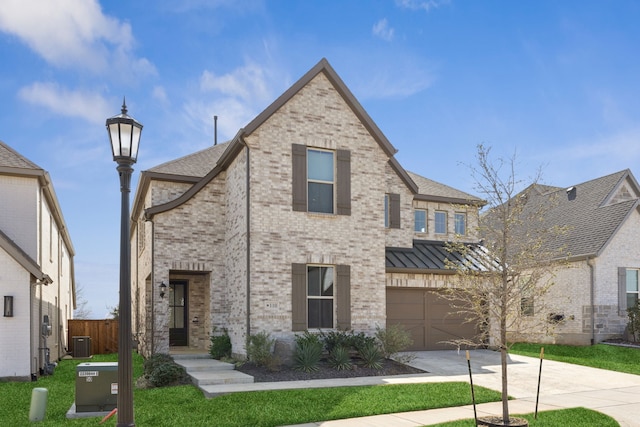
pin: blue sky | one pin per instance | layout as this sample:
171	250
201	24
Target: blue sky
556	82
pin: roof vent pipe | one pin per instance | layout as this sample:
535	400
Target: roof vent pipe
215	130
571	193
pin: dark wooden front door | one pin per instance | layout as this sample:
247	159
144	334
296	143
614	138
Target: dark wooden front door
178	332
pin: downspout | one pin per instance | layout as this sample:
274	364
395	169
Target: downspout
248	213
153	306
592	271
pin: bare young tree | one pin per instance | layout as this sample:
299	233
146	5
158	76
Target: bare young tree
82	310
500	282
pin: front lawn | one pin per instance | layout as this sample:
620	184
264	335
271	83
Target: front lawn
574	417
603	356
186	406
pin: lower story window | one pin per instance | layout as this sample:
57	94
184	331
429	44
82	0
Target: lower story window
320	294
632	288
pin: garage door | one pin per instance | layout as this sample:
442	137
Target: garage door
428	317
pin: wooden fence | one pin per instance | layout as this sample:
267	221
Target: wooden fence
103	334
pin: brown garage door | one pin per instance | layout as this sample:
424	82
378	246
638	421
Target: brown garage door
428	317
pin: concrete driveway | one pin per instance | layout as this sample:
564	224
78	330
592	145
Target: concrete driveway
563	386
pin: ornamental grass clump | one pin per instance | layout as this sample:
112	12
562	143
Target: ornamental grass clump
308	352
340	359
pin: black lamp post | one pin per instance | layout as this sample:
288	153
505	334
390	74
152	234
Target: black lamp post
124	133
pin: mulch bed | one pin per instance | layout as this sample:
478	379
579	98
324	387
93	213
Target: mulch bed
285	373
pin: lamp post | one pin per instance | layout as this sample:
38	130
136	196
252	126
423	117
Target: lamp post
124	133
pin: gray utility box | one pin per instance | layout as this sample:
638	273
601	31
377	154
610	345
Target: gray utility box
81	347
96	386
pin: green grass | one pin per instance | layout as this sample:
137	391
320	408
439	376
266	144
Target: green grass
610	357
186	406
574	417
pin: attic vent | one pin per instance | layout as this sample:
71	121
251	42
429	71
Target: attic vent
571	193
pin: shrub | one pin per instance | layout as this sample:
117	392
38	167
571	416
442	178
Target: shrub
259	350
340	359
371	356
155	360
634	321
393	340
161	371
307	353
220	344
168	374
335	339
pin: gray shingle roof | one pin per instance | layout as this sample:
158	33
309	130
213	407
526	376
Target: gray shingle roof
587	211
12	159
197	164
429	187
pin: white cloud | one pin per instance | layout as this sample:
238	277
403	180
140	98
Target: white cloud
382	30
235	97
160	95
247	83
73	34
425	5
90	106
400	76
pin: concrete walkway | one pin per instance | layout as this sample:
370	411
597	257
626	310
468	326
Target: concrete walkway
563	386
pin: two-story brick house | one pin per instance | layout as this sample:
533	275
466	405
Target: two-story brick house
303	220
37	284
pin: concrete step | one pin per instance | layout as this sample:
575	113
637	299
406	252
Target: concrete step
190	355
210	378
204	365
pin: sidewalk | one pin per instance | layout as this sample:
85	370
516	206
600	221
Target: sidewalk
563	386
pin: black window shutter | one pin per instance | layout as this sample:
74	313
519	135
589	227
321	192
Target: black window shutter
299	297
299	177
622	292
344	182
394	210
343	276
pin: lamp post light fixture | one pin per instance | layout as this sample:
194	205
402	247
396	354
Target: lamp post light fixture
124	133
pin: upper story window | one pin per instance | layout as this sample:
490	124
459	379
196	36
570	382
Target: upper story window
320	181
420	221
386	211
460	223
441	222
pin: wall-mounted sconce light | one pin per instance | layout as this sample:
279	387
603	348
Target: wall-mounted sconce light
163	289
8	306
195	319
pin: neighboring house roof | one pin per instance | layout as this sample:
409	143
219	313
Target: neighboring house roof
431	256
435	191
9	158
22	258
592	211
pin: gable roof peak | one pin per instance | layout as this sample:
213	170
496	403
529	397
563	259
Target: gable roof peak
10	158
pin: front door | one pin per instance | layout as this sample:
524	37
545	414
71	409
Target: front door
178	333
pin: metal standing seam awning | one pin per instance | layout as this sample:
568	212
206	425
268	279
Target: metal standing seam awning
429	256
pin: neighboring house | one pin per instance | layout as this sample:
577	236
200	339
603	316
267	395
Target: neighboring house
591	293
303	221
37	282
